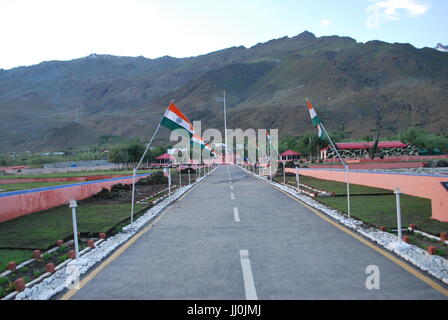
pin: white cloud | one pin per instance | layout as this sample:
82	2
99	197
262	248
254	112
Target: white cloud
325	22
391	10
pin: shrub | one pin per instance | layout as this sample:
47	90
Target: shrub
62	258
37	273
120	186
47	256
155	178
3	281
105	194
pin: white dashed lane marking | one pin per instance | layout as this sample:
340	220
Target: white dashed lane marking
249	285
236	214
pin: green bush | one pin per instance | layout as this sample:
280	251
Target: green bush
155	178
62	258
105	194
3	281
120	186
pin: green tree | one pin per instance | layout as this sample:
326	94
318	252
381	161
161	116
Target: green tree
310	144
118	155
135	151
424	140
288	143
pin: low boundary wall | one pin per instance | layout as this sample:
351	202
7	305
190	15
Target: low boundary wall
15	204
418	185
62	179
370	165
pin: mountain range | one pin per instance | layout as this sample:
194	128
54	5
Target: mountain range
355	87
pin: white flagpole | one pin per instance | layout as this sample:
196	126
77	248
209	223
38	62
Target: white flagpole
180	177
225	125
136	168
135	172
169	181
271	146
347	177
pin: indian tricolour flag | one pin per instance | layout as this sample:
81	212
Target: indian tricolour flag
195	139
209	149
174	119
315	119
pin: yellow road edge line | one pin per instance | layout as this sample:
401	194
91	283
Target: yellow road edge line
121	249
433	284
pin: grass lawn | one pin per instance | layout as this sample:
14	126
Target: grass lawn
33	185
40	230
379	210
18	256
338	187
75	174
29	185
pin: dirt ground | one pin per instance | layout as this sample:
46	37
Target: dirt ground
123	193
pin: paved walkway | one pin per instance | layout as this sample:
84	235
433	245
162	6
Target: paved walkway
235	237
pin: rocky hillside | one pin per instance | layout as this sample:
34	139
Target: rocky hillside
57	104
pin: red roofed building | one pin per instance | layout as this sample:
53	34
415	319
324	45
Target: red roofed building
359	150
164	158
290	155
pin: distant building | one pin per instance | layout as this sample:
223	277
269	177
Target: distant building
290	155
360	150
164	158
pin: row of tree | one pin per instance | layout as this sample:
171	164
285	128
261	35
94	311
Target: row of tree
131	152
424	140
310	143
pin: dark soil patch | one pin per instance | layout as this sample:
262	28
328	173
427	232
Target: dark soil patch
424	243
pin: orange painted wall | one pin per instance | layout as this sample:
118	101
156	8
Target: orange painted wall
423	186
21	204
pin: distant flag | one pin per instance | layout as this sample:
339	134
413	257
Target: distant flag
197	140
174	119
268	136
315	119
322	133
209	149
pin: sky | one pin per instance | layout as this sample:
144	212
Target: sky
32	31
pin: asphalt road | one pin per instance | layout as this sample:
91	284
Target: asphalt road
197	250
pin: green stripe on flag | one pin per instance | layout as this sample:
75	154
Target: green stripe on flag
316	121
321	134
173	125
